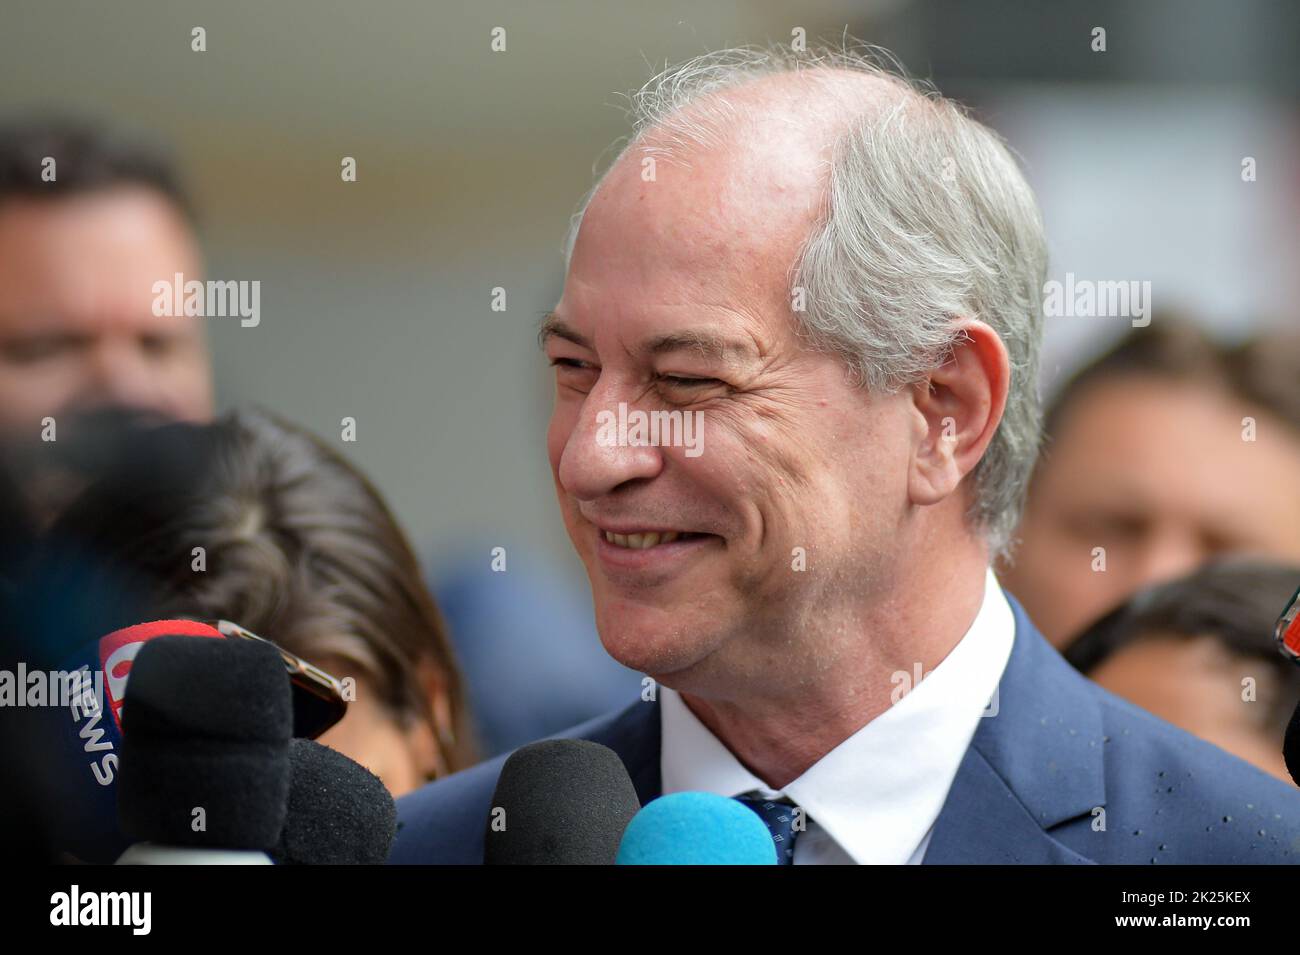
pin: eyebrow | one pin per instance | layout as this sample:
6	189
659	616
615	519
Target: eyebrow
701	341
704	342
555	327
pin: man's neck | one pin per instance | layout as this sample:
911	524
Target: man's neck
779	737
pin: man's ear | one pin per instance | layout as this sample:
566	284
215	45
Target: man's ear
956	409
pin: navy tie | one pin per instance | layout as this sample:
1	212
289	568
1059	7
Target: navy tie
779	818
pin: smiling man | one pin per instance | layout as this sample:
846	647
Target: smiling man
841	274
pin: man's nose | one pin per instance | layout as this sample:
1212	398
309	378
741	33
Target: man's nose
597	458
120	374
1169	552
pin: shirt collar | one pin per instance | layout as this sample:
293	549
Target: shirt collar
878	792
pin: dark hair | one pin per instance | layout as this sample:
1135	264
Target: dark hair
299	547
1235	600
87	159
1263	370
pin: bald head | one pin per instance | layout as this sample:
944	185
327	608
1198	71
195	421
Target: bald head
818	104
732	183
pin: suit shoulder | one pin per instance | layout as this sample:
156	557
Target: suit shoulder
1173	797
442	822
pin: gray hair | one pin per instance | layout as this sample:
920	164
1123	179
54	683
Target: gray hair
926	219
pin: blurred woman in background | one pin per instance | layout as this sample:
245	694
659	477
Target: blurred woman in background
256	521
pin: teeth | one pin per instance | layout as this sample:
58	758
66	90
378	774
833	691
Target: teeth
641	541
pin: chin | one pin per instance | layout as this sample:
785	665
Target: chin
650	640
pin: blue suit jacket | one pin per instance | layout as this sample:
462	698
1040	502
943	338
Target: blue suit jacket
1031	788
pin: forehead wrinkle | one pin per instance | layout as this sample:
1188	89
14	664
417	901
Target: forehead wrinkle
703	342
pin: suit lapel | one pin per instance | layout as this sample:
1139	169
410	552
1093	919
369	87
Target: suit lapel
983	823
1036	764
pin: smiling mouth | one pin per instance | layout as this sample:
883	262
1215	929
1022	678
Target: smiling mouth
649	539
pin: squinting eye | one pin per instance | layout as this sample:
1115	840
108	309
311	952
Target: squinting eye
678	382
569	363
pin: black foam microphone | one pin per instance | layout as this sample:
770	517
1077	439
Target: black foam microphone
1291	746
340	813
205	749
559	802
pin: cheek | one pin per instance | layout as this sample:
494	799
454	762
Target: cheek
771	485
756	461
831	470
33	392
194	391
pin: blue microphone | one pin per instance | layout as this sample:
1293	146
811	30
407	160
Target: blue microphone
696	829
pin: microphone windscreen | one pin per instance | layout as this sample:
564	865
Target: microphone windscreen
559	802
1291	746
84	746
215	689
340	813
205	750
690	828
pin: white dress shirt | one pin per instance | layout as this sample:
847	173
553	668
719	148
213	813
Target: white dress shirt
874	798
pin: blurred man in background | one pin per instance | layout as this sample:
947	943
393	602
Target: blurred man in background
88	224
1199	652
1167	450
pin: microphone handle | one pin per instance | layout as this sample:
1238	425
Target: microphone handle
149	853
